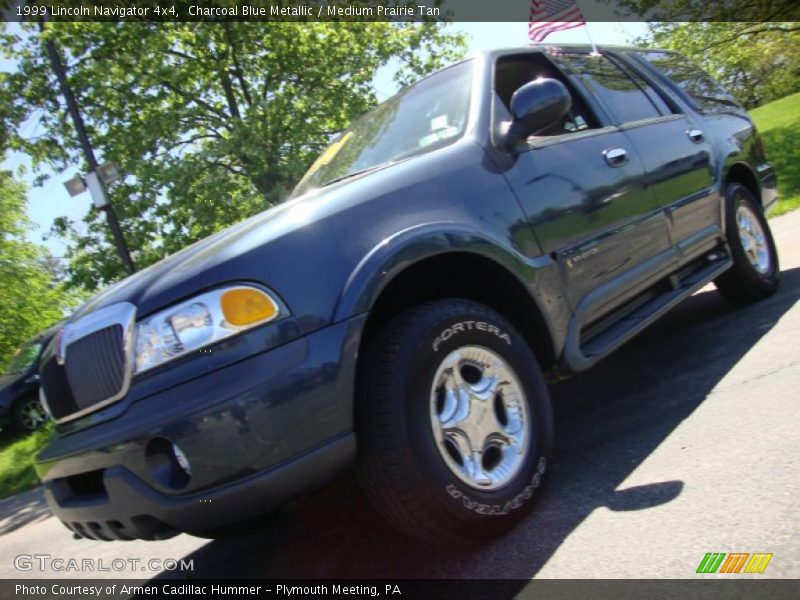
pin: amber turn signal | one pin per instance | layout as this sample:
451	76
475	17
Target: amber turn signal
245	306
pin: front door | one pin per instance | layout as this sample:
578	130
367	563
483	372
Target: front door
583	190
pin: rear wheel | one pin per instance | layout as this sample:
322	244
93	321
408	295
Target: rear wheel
755	273
454	423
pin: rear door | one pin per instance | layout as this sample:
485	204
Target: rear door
672	145
584	191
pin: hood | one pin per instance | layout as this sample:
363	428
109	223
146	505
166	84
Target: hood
305	249
237	253
6	381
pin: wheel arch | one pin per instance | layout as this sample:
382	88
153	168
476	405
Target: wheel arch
743	174
434	263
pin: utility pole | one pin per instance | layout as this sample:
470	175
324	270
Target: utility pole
94	184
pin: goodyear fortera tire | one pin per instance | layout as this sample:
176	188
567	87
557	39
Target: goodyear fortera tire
454	423
755	273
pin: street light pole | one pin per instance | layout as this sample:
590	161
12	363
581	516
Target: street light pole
97	190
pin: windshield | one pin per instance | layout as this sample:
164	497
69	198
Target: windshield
24	358
421	118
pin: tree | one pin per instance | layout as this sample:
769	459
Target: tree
752	47
765	12
210	122
31	300
756	62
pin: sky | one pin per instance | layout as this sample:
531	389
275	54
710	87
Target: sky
51	200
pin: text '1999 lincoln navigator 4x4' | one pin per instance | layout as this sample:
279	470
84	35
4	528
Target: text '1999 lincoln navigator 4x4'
522	211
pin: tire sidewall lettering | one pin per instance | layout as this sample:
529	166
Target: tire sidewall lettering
505	508
469	325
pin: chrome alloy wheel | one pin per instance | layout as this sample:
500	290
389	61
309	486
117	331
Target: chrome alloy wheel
32	415
479	417
754	241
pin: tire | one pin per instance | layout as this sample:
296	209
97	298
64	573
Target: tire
27	414
755	273
408	461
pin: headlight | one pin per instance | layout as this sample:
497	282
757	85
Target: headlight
200	321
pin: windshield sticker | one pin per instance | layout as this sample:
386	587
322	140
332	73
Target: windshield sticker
439	122
331	151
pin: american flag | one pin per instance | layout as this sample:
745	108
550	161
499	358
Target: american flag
548	16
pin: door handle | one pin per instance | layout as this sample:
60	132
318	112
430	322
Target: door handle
616	157
695	135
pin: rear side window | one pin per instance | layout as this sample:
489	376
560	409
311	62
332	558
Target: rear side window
700	89
624	94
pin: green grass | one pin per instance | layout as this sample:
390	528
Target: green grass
16	460
779	125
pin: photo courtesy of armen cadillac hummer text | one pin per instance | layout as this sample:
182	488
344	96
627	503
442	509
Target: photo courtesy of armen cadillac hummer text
520	213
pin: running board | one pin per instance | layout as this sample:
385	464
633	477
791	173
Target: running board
587	345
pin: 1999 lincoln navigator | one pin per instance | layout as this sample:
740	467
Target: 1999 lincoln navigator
523	211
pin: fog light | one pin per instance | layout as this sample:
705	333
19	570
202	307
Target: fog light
167	463
183	462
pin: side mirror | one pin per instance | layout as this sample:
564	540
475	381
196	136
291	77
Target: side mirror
535	107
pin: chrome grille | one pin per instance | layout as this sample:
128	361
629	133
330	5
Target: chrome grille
56	391
95	366
89	363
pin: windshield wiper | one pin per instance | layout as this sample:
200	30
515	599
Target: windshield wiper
354	173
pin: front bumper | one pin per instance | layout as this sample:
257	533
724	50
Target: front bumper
256	434
130	509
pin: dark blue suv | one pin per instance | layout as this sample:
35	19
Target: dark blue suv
519	213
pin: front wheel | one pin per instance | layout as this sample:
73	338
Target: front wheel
454	423
28	415
755	273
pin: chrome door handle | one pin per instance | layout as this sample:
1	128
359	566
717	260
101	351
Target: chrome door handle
695	135
616	157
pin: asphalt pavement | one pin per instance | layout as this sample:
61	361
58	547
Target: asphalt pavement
684	442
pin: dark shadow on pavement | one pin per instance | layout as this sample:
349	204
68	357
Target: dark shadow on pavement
608	421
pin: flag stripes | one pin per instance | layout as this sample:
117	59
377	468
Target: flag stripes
547	16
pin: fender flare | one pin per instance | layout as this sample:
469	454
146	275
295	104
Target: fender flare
402	250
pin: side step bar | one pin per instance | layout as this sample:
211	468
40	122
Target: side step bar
587	345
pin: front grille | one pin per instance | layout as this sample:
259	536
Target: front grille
56	390
87	364
95	366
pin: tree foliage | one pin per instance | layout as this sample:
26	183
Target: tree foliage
756	62
752	47
766	12
210	122
31	299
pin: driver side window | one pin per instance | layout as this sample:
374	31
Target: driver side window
512	72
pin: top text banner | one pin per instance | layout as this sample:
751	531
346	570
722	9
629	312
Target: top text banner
392	10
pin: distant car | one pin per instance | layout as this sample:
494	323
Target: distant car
526	211
19	385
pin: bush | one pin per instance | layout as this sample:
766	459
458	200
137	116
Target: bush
16	460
